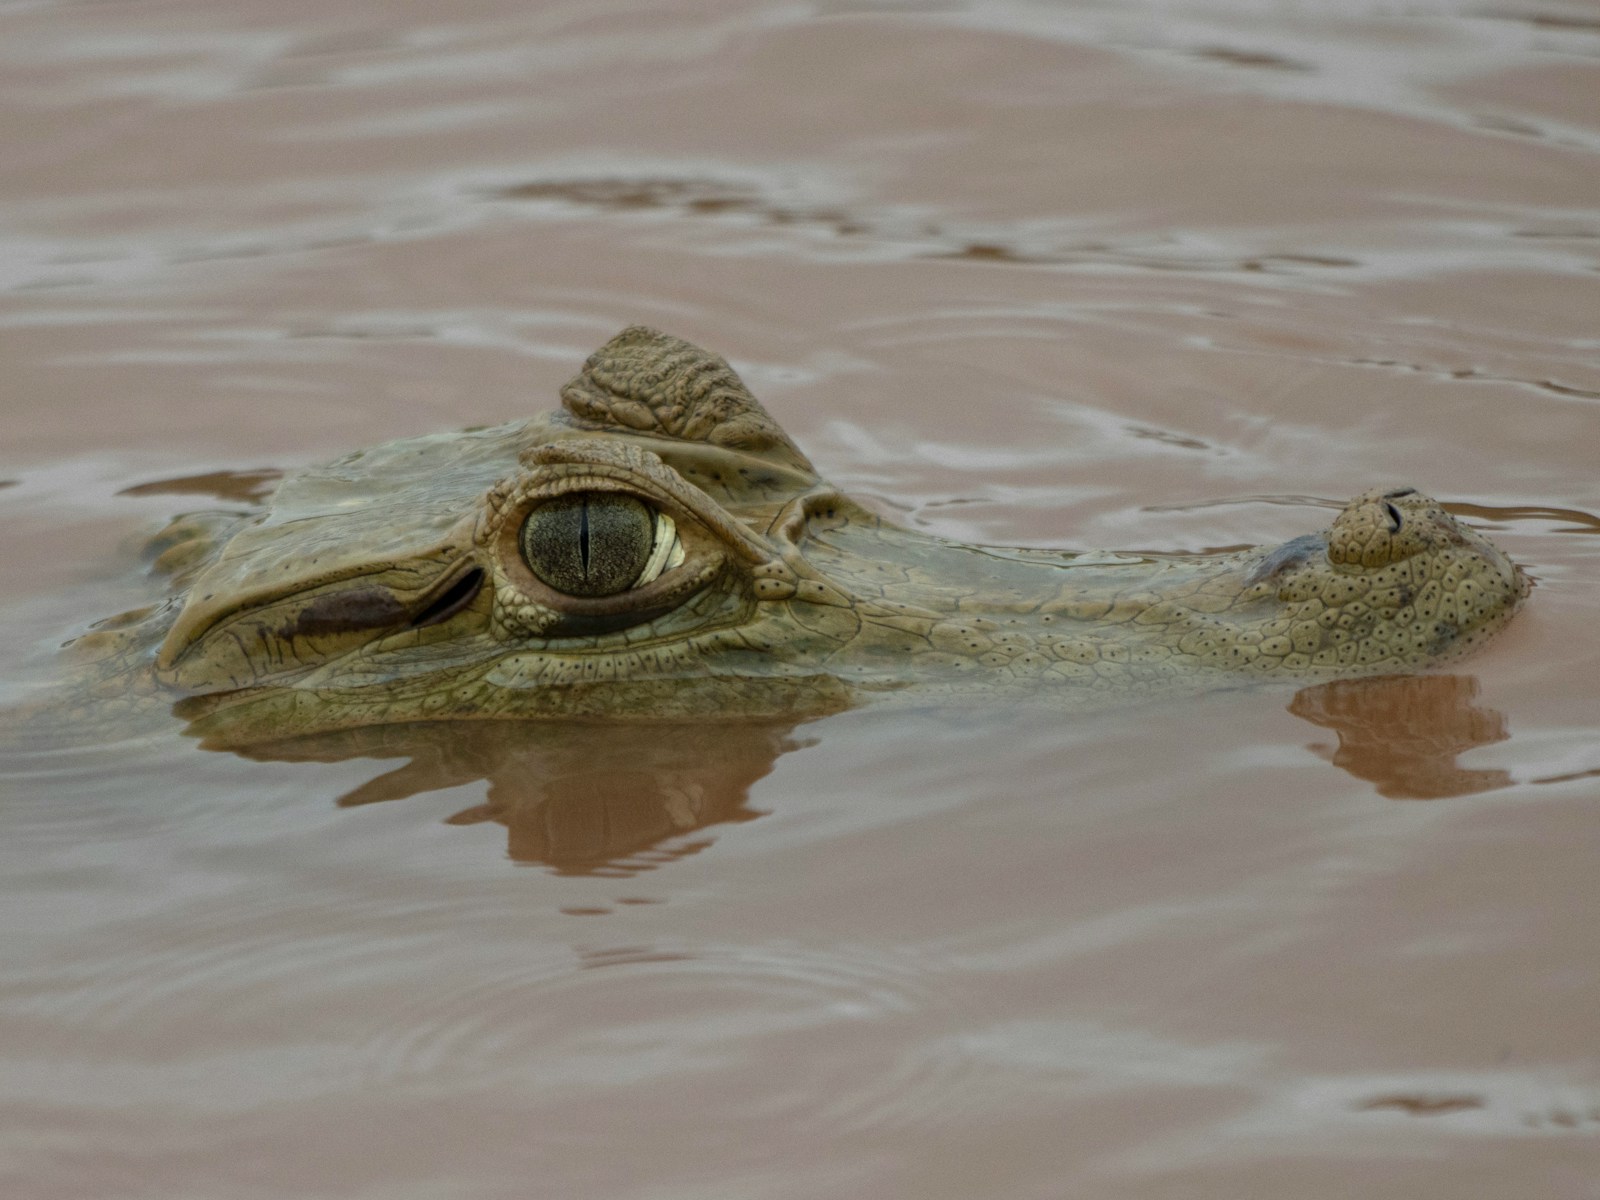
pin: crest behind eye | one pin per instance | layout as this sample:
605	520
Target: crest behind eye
646	381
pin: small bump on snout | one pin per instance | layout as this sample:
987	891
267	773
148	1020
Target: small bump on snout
1373	531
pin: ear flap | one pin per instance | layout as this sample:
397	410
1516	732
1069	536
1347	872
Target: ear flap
646	381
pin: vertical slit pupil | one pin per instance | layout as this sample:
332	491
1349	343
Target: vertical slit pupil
588	545
583	536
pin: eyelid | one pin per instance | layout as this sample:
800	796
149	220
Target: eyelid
665	553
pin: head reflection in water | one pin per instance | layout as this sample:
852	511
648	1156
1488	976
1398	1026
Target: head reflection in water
604	798
582	797
1403	733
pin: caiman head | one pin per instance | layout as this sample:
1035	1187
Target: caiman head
660	549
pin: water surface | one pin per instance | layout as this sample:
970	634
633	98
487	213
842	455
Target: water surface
1160	276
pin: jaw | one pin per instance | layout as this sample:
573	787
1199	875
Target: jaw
844	608
882	613
234	720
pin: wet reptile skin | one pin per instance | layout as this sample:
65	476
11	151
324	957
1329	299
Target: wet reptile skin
388	586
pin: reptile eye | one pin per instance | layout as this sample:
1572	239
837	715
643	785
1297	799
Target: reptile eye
598	543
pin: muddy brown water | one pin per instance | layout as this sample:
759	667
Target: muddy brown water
1166	276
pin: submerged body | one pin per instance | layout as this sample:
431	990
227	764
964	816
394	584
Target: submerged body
660	549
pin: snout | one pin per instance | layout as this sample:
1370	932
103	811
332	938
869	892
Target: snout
1402	535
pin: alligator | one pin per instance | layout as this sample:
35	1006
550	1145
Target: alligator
659	549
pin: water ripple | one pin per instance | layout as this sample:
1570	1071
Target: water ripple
908	232
631	1014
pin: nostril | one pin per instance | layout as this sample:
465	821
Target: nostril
1399	492
1394	517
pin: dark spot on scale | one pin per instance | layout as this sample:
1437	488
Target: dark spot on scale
1444	633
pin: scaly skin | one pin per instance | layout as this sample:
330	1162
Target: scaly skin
389	586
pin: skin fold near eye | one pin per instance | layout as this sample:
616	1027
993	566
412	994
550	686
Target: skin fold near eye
598	543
